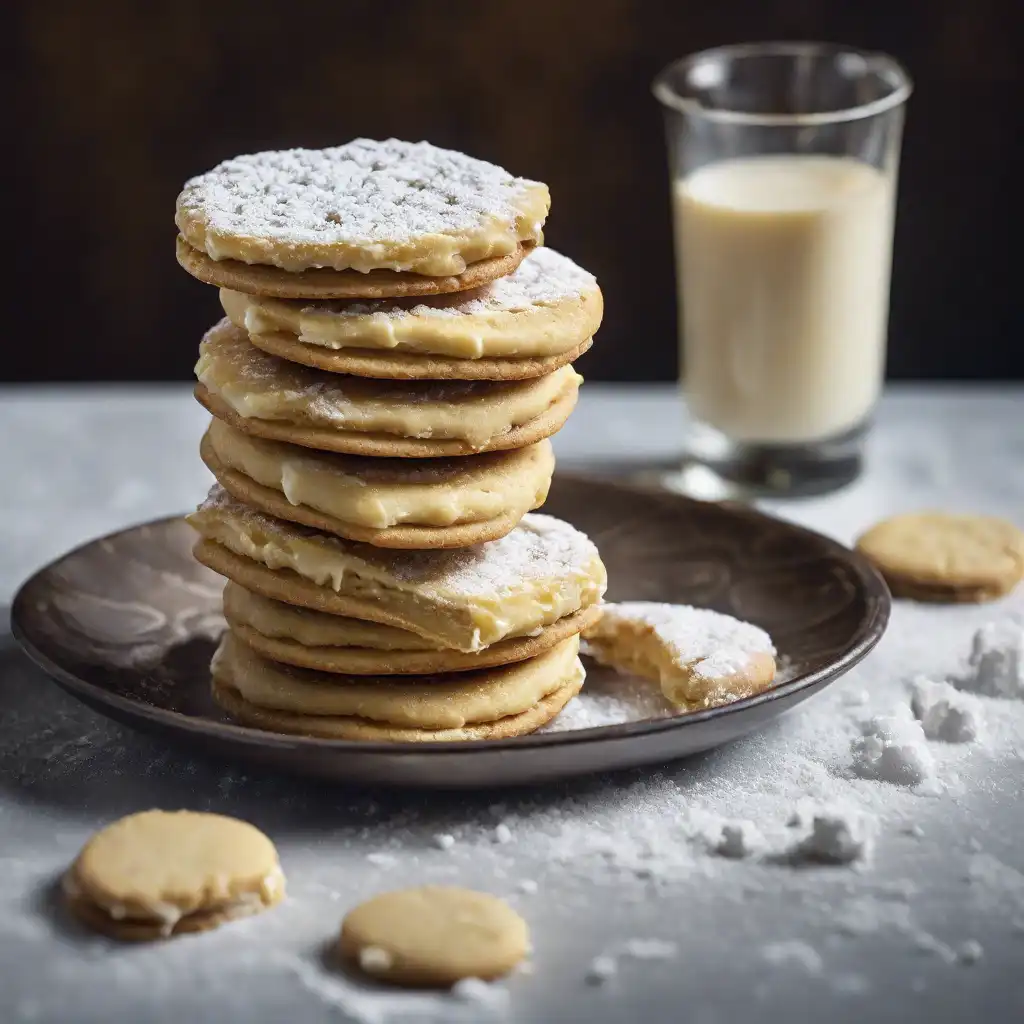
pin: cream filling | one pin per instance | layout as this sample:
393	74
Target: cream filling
455	617
515	484
262	387
311	628
435	254
520	333
418	702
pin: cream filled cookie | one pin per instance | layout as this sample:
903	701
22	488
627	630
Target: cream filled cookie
546	307
268	397
414	701
400	503
160	873
700	657
335	643
363	206
465	598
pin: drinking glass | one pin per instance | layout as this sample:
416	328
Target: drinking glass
784	161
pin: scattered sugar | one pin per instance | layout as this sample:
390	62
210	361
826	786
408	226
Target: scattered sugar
892	748
364	192
444	841
649	949
482	994
528	886
382	860
793	953
738	840
995	667
601	969
944	712
502	833
838	835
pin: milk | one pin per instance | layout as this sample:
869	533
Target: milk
784	293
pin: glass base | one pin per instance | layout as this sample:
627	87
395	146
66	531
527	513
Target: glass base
717	468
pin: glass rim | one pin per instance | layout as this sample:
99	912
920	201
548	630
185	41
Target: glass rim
671	98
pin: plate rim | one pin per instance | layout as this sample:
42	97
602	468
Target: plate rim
867	636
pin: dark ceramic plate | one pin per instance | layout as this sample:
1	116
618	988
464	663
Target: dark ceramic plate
127	624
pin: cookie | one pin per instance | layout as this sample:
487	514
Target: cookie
701	658
324	284
401	365
364	206
268	397
547	307
433	936
331	643
411	702
364	731
391	503
160	873
463	598
937	556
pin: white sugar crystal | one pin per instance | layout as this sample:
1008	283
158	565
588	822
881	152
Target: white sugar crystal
502	833
795	953
444	841
481	993
649	949
528	886
944	712
739	840
893	749
601	969
970	951
838	835
375	960
382	860
995	667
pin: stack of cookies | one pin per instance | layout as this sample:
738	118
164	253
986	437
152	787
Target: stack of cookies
396	351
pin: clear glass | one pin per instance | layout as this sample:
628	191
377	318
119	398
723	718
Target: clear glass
784	160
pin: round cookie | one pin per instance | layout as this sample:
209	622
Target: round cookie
937	556
464	598
379	502
269	397
247	612
326	284
413	702
548	306
158	873
700	657
362	730
403	365
434	936
364	206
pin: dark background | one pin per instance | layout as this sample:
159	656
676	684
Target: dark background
112	105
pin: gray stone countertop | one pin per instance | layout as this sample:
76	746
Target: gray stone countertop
931	929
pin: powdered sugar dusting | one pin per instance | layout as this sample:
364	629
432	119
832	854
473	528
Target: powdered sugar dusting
362	193
545	277
540	547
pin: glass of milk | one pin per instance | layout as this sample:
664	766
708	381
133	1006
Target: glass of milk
784	160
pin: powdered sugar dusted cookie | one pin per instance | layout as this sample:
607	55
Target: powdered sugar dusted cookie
462	598
546	307
700	657
363	206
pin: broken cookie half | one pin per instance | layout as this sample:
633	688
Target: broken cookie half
701	658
